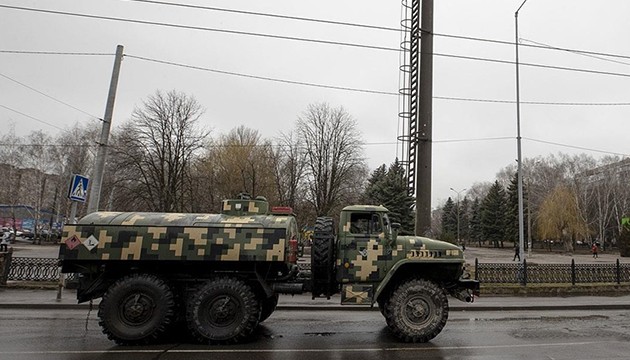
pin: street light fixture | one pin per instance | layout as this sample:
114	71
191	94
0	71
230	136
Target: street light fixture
521	227
458	192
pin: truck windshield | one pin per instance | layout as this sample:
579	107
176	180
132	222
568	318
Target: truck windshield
366	223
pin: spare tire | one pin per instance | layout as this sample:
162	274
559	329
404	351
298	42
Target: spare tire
323	258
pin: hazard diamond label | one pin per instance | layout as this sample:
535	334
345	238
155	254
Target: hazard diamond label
90	243
72	242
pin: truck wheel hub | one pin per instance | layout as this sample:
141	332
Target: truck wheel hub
222	311
417	310
137	309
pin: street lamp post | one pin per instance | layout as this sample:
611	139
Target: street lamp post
458	192
521	227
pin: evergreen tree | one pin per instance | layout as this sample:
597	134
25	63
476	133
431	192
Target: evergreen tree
388	187
374	188
464	220
476	231
449	221
493	214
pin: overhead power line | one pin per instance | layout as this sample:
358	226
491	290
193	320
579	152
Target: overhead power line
575	147
581	53
374	27
345	88
334	87
48	145
475	140
54	53
278	16
201	28
50	97
259	77
535	45
551	103
190	27
337	43
542	66
31	117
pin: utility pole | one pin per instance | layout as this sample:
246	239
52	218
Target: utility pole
101	155
521	225
425	127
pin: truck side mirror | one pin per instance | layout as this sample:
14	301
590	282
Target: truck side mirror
395	228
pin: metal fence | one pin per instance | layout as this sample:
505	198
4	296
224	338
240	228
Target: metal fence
47	269
34	269
524	273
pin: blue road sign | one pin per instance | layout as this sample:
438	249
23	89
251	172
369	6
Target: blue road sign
78	188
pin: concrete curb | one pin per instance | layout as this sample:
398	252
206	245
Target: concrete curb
458	308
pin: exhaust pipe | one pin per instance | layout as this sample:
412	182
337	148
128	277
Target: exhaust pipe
464	295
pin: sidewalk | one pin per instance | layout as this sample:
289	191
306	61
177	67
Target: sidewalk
540	256
12	298
26	248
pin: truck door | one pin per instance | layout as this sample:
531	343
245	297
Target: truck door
363	251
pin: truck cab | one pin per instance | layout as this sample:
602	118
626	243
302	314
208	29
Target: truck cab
372	259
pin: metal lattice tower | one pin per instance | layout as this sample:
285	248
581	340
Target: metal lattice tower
409	77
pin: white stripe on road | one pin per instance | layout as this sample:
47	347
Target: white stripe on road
236	351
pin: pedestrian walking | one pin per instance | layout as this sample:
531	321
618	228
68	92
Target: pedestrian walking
517	253
594	250
4	241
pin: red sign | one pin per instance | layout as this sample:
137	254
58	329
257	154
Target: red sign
72	242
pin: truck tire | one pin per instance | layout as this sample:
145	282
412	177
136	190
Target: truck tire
223	310
417	310
323	257
268	306
136	309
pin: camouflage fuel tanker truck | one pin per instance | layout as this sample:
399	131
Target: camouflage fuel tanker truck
221	273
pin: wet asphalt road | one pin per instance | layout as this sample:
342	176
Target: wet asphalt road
304	335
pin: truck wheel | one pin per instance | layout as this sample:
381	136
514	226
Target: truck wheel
136	309
323	257
268	306
222	310
417	310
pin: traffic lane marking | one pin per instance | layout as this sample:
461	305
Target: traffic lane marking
345	350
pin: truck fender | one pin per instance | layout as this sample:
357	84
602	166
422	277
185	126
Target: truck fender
392	273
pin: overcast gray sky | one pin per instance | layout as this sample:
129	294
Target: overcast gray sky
271	107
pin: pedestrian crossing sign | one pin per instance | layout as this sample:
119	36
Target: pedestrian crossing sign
78	188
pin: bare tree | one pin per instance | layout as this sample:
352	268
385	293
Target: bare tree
73	154
11	179
243	162
154	151
334	156
38	161
289	165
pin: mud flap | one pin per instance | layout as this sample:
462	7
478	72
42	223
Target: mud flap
353	294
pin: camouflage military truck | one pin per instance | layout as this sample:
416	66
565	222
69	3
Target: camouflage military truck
221	274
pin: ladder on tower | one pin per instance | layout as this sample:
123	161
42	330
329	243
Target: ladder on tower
410	70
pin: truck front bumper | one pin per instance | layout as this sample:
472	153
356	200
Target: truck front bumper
464	290
469	284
